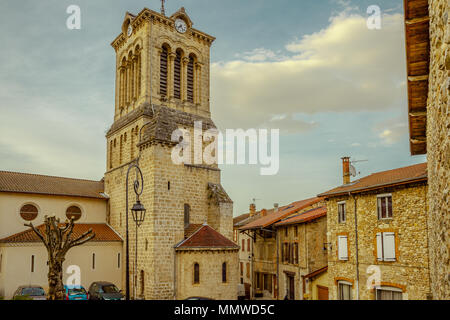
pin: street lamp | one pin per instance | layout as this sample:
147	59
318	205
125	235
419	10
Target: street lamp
138	212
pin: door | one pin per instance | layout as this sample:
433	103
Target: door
290	287
322	293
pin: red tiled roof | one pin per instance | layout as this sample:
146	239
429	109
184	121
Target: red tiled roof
272	216
32	183
317	272
382	179
240	218
304	217
103	233
207	237
189	231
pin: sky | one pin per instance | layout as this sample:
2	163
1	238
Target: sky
310	68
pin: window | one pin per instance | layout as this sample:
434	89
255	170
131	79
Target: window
93	261
190	79
344	290
248	269
196	273
248	245
28	212
286	231
242	268
386	246
342	212
243	245
142	282
118	261
74	213
384	206
32	263
177	75
296	253
388	293
296	231
163	71
224	272
343	247
187	213
257	280
168	185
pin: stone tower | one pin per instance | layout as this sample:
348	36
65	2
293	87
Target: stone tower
162	84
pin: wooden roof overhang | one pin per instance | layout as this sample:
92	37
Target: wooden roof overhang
417	59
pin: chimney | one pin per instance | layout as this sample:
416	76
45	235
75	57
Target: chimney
346	170
275	207
263	212
252	209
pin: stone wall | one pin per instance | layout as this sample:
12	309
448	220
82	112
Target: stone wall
311	238
410	271
438	144
211	284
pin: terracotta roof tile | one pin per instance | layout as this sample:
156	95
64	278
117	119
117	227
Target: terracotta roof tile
39	184
304	216
240	218
272	217
103	233
189	231
382	179
207	237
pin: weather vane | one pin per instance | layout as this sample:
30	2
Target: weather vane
163	10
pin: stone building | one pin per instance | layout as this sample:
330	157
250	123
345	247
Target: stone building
427	27
245	251
265	257
377	236
162	85
302	252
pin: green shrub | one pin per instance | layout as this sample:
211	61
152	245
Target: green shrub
2	298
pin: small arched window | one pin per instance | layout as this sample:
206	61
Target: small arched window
177	75
28	212
73	212
190	79
224	272
187	213
196	273
163	71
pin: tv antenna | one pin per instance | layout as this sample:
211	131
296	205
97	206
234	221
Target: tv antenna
353	172
163	10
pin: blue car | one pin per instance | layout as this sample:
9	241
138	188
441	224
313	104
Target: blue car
76	293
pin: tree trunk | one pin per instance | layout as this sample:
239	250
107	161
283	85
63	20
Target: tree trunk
55	281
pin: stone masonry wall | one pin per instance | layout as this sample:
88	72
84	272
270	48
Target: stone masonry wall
410	271
211	285
438	144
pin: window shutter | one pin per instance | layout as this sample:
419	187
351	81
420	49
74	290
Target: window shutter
343	249
379	247
389	246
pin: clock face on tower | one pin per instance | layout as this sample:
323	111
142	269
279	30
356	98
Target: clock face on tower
180	25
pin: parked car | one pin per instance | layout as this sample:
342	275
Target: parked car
102	290
74	292
30	292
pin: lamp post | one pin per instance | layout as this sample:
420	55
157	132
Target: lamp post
138	212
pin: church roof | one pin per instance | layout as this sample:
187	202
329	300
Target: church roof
103	233
206	237
39	184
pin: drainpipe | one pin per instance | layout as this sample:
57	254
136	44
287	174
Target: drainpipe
278	266
356	247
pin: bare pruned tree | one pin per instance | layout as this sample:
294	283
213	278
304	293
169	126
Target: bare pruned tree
57	239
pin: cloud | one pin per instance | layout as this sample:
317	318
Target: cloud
391	131
344	67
